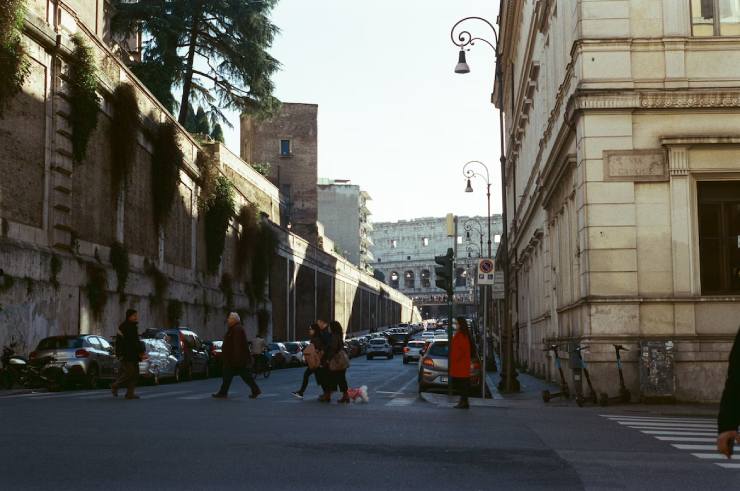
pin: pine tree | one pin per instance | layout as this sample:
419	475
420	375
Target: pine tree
202	126
218	133
215	51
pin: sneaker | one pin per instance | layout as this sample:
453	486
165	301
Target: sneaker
218	396
297	395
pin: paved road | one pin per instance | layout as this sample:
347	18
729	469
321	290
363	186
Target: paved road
177	437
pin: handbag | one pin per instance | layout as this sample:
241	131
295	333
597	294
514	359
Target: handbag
339	362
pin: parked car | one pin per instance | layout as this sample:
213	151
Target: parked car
159	362
379	347
355	348
191	354
214	356
433	368
89	359
296	353
278	354
427	336
412	351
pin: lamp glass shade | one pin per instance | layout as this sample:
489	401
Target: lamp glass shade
462	64
469	187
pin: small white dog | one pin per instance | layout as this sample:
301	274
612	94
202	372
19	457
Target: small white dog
358	394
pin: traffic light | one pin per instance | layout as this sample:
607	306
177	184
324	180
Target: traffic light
443	274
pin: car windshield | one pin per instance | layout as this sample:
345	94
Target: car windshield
438	349
60	343
218	344
292	347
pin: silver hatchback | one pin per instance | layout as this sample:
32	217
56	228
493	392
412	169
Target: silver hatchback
88	358
433	371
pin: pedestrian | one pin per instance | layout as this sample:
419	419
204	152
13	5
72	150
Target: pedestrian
460	356
729	408
337	362
237	359
129	351
257	347
312	356
324	340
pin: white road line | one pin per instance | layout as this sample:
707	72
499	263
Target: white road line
25	396
729	466
681	446
657	418
195	397
674	428
679	432
714	456
164	394
400	402
670	425
685	439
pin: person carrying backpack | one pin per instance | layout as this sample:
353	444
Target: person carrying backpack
312	356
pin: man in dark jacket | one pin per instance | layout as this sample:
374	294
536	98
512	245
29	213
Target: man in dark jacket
236	358
129	351
729	409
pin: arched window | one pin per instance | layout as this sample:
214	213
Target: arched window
426	278
394	279
409	279
461	277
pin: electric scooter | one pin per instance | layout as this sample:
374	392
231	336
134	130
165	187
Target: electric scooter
592	396
564	390
624	393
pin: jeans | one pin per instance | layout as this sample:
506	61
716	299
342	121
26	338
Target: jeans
306	377
246	375
128	376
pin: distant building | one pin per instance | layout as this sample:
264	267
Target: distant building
404	254
344	215
288	142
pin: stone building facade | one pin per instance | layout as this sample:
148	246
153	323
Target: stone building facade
288	142
404	254
344	213
623	178
59	219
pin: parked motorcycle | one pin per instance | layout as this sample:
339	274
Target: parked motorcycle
18	372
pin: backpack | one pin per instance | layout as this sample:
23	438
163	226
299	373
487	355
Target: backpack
312	356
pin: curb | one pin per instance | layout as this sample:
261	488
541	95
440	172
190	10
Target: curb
19	392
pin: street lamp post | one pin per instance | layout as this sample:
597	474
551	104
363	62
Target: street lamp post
464	39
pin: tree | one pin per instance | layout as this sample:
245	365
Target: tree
215	51
218	133
202	126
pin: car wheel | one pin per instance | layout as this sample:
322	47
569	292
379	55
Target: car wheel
93	377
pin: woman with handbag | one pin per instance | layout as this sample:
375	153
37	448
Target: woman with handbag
312	356
338	363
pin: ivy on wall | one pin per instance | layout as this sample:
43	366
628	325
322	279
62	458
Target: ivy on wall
83	98
262	168
266	243
96	288
227	288
167	160
248	227
159	279
119	259
219	210
174	313
124	129
55	267
14	64
208	172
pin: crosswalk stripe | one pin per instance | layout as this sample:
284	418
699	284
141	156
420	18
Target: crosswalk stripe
400	401
655	418
678	432
714	456
672	428
687	425
164	394
684	439
729	466
195	397
681	446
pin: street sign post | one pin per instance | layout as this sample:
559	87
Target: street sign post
485	277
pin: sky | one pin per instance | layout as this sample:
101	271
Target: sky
393	116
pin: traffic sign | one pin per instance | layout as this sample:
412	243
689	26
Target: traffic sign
485	272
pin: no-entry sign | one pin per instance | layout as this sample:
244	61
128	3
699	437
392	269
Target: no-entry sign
485	272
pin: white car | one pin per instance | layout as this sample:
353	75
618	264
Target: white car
427	336
379	347
412	351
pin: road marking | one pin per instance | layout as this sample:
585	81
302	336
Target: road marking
714	456
25	396
400	402
164	394
195	397
664	425
685	439
729	466
678	432
681	446
658	418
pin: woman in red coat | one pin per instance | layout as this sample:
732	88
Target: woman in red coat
460	357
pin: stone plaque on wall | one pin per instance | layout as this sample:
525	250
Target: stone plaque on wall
635	165
657	374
